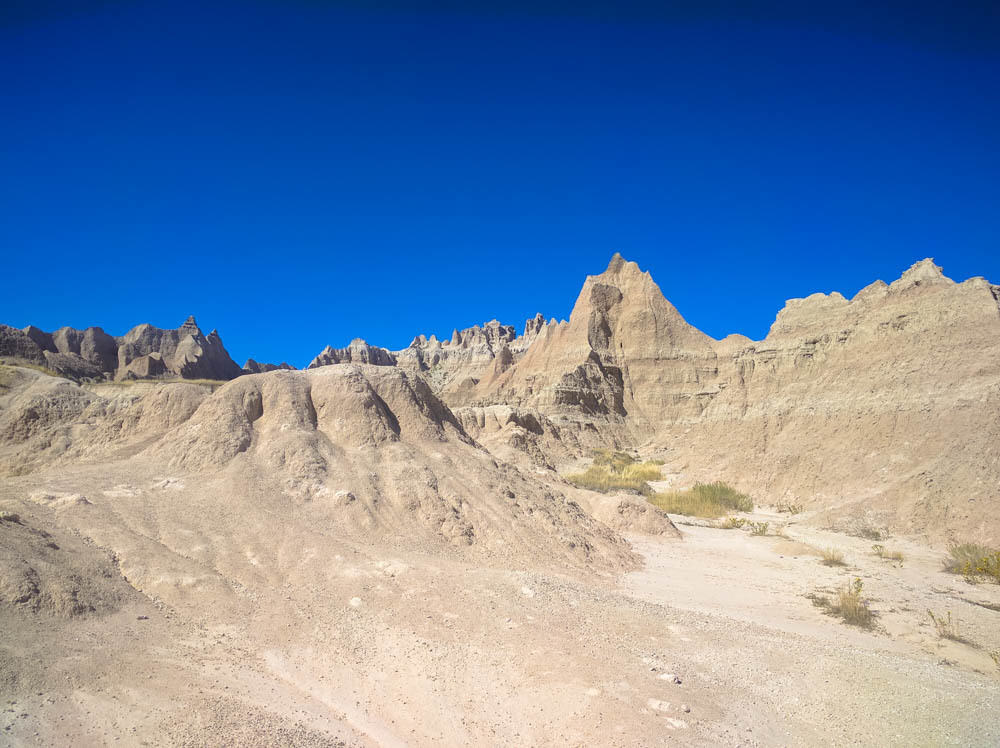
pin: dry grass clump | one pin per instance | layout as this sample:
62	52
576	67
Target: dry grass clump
887	555
759	528
974	561
832	557
947	627
852	607
704	500
789	508
849	605
732	523
617	471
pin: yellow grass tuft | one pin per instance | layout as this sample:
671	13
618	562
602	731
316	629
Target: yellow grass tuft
833	557
710	500
617	471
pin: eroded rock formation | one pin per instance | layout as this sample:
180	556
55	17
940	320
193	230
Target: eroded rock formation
143	352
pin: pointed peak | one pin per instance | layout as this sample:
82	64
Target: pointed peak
921	273
616	264
925	269
190	324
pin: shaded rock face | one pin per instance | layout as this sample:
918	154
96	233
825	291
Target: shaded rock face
255	367
186	352
626	357
17	344
145	351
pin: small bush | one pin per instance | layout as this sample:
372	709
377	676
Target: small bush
973	561
881	552
833	557
868	532
852	607
995	656
789	508
759	528
732	523
946	626
616	471
703	500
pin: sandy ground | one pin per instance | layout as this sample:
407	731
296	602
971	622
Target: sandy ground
713	642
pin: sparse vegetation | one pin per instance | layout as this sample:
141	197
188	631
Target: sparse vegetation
974	561
620	471
995	656
617	471
732	523
868	532
852	607
759	528
789	508
704	500
887	555
9	367
213	383
833	557
946	627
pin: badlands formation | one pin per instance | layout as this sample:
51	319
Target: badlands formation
382	549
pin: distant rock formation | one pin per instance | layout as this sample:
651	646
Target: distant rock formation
254	367
358	352
143	352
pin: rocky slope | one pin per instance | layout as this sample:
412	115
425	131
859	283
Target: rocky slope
887	405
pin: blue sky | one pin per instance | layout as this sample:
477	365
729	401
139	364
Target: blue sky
302	173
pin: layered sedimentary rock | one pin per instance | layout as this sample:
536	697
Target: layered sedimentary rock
144	352
358	352
626	356
886	405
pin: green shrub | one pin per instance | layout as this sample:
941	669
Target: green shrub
975	562
759	528
703	500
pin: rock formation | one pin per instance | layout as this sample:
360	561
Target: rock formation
358	352
255	367
886	404
143	352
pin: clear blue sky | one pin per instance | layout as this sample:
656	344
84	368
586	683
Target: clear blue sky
301	173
